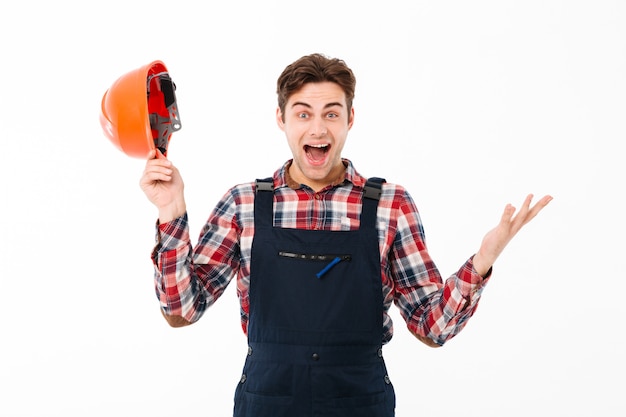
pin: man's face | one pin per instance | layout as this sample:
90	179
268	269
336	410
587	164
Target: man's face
316	124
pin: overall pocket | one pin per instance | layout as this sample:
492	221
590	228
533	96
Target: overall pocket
322	289
265	389
355	391
327	261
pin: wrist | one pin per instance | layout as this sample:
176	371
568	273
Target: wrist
172	211
481	266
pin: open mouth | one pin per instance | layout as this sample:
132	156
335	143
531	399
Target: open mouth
316	153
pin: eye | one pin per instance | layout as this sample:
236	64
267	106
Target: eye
332	115
302	115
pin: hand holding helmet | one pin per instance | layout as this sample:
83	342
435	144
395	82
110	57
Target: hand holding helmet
139	114
162	183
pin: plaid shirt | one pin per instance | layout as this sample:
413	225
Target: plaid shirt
190	279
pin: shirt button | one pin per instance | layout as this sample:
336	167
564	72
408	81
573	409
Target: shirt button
380	353
249	350
243	378
387	380
315	357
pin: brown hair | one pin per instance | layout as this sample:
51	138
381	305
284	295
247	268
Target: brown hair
314	68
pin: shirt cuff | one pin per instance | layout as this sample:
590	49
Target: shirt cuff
469	281
173	234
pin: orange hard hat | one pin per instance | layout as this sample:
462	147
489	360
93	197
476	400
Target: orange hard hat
139	111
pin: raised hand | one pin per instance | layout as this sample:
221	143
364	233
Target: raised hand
162	183
496	239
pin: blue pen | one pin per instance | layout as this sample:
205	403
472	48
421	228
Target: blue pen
328	267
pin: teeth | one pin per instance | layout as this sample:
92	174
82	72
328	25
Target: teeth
318	146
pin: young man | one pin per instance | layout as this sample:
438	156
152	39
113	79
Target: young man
319	254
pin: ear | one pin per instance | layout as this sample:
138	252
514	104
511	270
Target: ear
351	119
279	119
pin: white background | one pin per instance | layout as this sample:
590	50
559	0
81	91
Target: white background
468	104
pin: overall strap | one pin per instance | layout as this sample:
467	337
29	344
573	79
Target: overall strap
264	202
373	188
371	195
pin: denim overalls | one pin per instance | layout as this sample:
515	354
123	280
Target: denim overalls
315	325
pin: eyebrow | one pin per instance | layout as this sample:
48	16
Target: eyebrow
301	103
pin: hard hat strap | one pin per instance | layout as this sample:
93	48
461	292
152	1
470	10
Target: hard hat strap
163	109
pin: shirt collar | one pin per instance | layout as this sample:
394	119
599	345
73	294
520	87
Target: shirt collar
283	179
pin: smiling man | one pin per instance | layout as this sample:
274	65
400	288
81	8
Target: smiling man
319	254
316	120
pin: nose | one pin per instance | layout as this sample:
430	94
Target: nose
317	128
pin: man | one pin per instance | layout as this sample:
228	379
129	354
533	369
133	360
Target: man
319	254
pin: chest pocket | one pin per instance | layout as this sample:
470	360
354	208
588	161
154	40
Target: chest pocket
326	261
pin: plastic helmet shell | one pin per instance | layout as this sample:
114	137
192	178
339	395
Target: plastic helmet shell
139	111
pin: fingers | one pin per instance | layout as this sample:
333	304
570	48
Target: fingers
507	214
155	154
157	169
522	216
538	207
156	159
543	202
526	213
155	175
158	172
498	238
159	154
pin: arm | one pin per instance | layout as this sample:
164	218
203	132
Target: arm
437	310
187	280
162	184
434	310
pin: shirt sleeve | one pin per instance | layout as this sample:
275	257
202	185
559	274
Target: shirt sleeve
432	308
188	280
